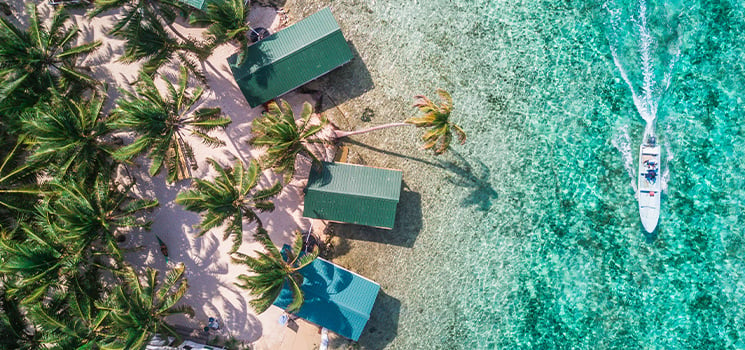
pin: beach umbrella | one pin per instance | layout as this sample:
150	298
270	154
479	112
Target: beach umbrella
163	247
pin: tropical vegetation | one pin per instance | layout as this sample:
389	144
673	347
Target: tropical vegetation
272	270
148	41
284	138
226	20
142	25
137	309
162	124
39	58
230	198
436	117
68	136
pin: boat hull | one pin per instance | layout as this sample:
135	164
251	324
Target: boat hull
650	187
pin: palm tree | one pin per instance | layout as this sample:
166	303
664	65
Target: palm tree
284	137
137	309
40	58
67	137
18	188
161	124
227	20
89	213
231	197
16	330
135	11
39	258
436	117
70	227
149	41
69	319
271	271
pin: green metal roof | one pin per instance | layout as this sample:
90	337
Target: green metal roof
199	4
290	58
335	298
354	194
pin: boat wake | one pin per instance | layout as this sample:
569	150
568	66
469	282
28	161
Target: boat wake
647	97
622	142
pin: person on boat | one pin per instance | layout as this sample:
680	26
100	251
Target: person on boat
651	175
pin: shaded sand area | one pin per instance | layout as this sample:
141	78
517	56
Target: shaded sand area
209	270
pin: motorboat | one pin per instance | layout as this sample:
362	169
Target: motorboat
650	187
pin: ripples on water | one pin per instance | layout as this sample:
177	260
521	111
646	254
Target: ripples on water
529	236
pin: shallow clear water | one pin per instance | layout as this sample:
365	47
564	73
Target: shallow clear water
528	236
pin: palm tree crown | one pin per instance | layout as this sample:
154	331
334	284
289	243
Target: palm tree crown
40	58
88	213
69	319
161	124
436	117
227	20
137	310
66	136
229	198
135	11
149	41
271	270
284	137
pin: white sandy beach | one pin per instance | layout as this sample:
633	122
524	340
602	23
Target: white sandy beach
209	270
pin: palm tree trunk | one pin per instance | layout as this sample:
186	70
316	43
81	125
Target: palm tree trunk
341	133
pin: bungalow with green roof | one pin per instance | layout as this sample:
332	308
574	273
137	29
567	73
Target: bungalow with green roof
353	193
290	58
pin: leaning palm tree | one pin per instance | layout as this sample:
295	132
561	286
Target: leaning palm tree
227	21
40	58
272	270
436	117
161	124
231	197
137	310
284	137
67	137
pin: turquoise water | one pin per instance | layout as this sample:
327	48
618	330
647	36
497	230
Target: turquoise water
528	236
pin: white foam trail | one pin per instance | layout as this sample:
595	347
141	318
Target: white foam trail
625	77
622	142
646	45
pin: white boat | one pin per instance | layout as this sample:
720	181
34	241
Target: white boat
650	187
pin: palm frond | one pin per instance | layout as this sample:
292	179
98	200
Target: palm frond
436	117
